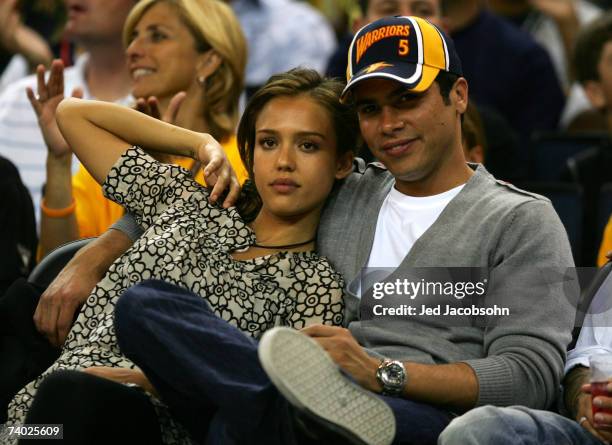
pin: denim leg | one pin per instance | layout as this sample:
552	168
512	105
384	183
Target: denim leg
417	423
516	425
202	366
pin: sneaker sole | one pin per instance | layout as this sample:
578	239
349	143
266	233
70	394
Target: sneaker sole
308	378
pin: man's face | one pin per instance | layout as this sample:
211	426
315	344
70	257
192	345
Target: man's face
427	9
92	21
413	135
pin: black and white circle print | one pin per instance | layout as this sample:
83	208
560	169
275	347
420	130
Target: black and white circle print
188	242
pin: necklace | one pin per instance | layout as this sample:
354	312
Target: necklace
285	246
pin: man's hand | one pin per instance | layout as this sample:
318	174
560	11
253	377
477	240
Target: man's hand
61	300
45	103
601	425
347	353
123	375
17	38
218	171
69	290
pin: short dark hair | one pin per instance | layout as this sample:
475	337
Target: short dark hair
446	81
296	82
589	47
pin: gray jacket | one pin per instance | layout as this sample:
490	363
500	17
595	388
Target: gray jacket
489	224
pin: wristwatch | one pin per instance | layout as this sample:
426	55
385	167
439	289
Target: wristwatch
391	374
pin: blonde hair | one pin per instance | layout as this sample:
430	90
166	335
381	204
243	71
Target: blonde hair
213	25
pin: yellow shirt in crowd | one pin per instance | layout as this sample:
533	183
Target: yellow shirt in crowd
95	213
606	244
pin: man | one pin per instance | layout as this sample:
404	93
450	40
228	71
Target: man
277	41
554	24
425	208
101	72
373	10
507	70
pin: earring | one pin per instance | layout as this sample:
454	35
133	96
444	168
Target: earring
201	80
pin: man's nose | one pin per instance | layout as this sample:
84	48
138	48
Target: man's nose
391	120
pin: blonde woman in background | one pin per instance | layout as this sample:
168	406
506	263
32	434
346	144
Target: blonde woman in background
187	61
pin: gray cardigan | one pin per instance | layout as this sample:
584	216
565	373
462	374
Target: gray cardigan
489	224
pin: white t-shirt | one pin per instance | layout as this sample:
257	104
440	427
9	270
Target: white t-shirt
401	221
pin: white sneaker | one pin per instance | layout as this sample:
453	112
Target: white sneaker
308	378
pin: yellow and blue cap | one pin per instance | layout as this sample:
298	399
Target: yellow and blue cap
409	50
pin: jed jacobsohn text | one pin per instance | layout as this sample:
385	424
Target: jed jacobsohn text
440	310
411	289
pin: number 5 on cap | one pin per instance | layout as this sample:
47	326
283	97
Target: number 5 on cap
403	47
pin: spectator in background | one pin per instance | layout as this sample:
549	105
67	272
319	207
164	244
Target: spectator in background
606	245
23	46
17	227
554	24
507	70
282	34
592	168
472	133
101	73
184	45
373	10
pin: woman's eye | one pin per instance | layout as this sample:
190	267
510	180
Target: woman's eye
309	146
267	143
157	36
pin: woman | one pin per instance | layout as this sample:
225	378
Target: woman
173	46
256	270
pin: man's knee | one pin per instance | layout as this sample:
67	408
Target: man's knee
129	308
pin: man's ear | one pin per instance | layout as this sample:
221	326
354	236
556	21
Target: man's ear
208	63
344	165
459	94
594	92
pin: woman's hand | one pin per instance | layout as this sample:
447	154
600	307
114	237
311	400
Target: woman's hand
150	107
218	171
123	375
45	103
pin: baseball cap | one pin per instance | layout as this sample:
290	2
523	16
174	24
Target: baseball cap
409	50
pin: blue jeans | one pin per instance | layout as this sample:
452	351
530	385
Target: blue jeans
208	372
515	425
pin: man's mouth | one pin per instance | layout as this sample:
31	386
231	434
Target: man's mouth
398	148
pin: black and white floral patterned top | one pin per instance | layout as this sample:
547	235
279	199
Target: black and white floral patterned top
188	242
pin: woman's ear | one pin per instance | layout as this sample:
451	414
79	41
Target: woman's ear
344	165
208	63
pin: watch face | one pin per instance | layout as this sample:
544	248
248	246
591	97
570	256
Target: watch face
394	374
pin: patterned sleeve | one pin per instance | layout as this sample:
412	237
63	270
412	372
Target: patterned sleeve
320	299
146	187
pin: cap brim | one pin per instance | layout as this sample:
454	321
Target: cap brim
418	85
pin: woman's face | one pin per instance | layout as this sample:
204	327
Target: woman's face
162	54
295	161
